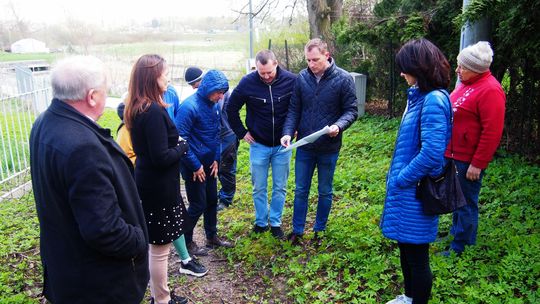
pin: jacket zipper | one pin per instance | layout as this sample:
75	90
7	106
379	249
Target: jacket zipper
273	122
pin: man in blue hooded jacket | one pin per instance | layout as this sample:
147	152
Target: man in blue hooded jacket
198	122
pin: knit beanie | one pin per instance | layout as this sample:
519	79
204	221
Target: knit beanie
193	74
476	57
120	110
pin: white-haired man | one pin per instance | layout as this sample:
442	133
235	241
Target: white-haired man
93	237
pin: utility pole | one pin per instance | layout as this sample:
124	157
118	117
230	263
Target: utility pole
471	33
250	31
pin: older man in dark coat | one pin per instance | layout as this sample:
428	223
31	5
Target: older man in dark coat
93	236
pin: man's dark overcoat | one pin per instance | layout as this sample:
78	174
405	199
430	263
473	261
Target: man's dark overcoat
93	237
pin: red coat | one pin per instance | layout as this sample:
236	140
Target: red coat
479	106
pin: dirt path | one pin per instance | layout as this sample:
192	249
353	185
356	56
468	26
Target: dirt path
224	284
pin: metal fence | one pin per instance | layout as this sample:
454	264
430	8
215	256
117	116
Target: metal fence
17	113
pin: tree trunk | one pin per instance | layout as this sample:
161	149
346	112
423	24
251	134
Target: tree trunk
322	14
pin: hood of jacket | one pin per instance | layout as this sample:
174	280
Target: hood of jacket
212	81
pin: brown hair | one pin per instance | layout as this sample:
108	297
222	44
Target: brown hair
316	43
264	56
144	87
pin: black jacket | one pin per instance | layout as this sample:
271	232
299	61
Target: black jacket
157	173
266	106
93	237
331	101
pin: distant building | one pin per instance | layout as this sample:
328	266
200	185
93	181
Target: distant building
29	45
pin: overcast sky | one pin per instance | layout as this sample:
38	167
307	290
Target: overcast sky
114	11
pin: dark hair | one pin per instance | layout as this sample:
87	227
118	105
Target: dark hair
264	56
423	60
144	87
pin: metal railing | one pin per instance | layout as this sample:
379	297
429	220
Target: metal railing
17	114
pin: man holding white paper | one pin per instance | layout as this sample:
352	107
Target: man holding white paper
324	95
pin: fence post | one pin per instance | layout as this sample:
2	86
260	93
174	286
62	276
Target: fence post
286	54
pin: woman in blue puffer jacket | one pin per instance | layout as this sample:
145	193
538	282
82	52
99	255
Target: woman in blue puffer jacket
419	151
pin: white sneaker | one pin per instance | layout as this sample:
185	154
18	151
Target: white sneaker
401	299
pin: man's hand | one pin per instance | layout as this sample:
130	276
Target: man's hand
199	175
473	173
285	141
214	169
334	131
248	138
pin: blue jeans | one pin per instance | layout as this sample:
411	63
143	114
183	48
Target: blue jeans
261	159
306	161
227	169
465	219
202	198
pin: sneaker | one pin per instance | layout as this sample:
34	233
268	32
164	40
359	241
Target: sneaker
174	300
221	206
277	232
259	229
177	299
217	242
195	250
401	299
294	238
194	268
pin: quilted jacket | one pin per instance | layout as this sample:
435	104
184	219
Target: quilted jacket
315	105
403	219
198	122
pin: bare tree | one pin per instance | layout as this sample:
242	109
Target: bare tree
321	14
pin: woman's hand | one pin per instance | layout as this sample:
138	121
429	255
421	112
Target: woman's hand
473	173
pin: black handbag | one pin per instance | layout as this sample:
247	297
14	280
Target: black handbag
441	194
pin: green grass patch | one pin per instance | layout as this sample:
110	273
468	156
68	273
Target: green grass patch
355	263
49	57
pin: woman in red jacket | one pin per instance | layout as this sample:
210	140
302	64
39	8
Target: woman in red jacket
478	102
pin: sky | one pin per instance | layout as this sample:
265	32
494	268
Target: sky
115	11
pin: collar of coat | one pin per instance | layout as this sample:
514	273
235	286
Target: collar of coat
63	109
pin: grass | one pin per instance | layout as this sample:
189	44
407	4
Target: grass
49	57
355	264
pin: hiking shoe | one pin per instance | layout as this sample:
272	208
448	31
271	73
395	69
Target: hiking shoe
277	232
217	242
259	229
194	268
195	250
317	240
294	238
401	299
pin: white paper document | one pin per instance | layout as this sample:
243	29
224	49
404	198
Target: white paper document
308	139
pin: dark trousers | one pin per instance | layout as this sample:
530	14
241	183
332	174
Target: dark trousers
416	271
202	198
227	169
